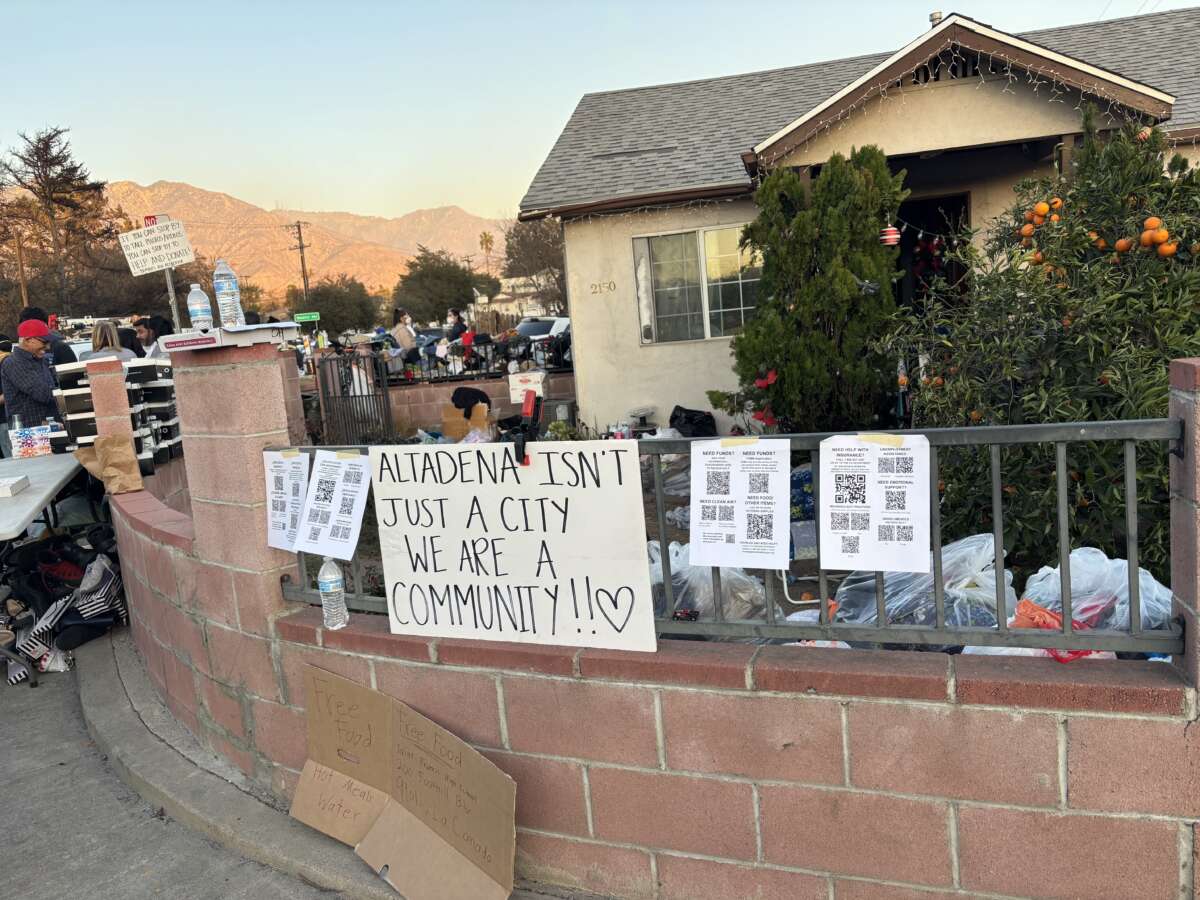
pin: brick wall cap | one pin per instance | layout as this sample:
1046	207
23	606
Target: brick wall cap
856	673
1092	685
708	664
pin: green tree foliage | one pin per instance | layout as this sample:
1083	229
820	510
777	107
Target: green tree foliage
434	283
534	250
1057	326
343	301
807	359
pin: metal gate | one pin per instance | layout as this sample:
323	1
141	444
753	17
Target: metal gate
355	408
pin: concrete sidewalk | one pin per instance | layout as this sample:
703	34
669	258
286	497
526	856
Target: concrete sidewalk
223	828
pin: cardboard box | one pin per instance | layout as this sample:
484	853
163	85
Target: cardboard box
520	382
455	427
430	814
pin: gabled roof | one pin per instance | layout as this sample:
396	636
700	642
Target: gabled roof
686	139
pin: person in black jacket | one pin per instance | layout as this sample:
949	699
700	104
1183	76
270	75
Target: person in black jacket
59	351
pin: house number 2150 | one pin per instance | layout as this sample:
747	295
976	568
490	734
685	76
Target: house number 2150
603	287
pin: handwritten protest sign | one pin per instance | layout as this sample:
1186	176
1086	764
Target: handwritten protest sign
476	545
414	800
155	248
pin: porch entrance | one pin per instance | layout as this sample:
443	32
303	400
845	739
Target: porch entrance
926	227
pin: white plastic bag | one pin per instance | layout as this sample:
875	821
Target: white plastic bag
1096	582
743	596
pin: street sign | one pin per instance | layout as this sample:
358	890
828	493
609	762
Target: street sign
307	317
157	247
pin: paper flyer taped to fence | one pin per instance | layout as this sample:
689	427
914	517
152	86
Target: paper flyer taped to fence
334	505
287	488
741	498
874	504
476	545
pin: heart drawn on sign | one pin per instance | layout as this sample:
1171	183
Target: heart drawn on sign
605	599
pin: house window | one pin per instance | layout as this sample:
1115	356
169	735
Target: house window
694	284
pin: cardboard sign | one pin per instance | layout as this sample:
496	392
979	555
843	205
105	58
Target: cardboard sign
161	246
424	809
477	546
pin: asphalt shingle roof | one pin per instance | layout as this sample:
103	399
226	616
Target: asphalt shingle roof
692	134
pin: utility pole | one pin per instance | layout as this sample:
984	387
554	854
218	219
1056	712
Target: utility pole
21	269
300	245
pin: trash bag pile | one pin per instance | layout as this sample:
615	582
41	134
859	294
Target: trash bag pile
743	595
59	593
969	586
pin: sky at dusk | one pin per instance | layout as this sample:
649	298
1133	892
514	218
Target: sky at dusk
383	107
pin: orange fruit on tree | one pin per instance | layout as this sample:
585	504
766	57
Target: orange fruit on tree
1152	223
1161	236
976	415
1056	203
1123	245
1026	242
1029	215
1101	243
1039	221
939	381
1168	249
902	381
1055	217
1027	229
1037	256
1147	238
1041	208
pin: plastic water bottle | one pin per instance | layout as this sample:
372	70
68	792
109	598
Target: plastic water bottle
199	309
332	585
229	298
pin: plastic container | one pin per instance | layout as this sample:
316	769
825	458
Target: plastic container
332	585
229	298
199	309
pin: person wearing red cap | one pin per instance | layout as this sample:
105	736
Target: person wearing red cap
26	381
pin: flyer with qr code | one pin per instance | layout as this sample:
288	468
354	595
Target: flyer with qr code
741	496
287	486
333	508
874	503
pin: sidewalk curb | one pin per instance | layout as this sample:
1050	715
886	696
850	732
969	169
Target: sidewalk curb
199	799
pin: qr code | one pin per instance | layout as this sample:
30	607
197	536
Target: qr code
725	512
718	482
318	516
849	488
729	539
278	506
860	521
904	465
314	535
895	501
347	506
850	543
904	532
354	475
325	489
839	521
759	527
708	512
887	532
278	482
886	464
295	489
760	482
293	522
339	533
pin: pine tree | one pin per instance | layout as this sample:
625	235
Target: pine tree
807	360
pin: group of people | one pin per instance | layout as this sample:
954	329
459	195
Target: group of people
27	380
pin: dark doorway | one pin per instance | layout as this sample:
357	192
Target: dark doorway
926	228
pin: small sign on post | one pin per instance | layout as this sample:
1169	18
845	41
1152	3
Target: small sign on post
160	246
307	317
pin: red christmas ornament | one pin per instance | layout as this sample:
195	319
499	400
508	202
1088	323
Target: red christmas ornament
889	236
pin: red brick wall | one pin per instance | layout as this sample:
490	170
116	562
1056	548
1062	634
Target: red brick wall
704	770
420	405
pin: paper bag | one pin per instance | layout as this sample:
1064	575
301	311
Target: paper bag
112	460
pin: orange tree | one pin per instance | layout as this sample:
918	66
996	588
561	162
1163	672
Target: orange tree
1071	310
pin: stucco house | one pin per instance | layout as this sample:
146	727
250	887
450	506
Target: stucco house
653	184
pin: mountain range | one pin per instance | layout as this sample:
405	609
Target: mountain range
258	242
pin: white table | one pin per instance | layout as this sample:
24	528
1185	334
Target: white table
47	476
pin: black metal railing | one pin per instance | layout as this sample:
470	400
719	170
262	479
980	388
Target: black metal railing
1133	639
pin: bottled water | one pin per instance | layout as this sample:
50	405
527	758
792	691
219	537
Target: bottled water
229	298
199	309
332	585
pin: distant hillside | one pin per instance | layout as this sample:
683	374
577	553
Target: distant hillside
256	241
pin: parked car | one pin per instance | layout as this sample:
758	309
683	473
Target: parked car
543	339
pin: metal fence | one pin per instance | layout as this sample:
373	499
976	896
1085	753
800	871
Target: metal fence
479	361
355	405
1135	639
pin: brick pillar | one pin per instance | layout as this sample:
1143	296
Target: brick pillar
233	403
109	397
1185	512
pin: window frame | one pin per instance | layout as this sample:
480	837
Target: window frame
699	233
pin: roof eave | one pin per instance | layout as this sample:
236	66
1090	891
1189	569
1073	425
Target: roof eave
632	201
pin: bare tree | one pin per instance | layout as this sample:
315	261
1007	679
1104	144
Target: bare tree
534	250
45	168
